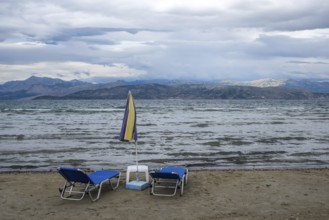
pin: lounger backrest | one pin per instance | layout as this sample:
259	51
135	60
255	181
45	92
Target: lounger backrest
164	175
74	175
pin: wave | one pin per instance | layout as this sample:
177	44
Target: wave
202	134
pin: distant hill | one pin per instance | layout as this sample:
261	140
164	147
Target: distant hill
36	86
156	91
315	86
49	88
39	81
43	86
312	85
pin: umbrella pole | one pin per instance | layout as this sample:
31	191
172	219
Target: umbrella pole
137	172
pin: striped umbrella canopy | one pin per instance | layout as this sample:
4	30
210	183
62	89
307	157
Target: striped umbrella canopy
129	129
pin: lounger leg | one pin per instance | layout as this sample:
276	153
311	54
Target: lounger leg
70	192
153	188
177	184
186	177
182	183
118	182
63	190
100	188
98	192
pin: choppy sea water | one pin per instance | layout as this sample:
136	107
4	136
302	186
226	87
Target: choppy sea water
41	135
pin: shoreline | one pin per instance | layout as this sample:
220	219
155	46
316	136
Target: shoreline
209	194
190	169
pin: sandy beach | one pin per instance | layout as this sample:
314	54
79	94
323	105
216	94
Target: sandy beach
252	194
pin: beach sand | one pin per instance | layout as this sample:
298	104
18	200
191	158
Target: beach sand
252	194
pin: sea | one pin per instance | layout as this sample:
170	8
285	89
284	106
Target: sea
41	135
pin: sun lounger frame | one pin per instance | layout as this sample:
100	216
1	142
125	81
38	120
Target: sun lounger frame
167	180
70	192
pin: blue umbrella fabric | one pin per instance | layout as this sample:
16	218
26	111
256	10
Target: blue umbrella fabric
129	129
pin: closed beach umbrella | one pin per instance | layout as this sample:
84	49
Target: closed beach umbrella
129	133
128	129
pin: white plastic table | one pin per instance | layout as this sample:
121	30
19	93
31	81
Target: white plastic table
141	169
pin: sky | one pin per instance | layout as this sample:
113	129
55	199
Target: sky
98	40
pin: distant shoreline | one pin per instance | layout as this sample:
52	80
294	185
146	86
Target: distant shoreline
191	169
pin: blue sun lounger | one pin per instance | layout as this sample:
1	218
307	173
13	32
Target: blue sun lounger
78	183
170	177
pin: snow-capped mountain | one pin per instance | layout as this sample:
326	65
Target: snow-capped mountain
262	83
267	83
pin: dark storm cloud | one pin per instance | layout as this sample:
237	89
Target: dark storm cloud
69	33
304	62
285	46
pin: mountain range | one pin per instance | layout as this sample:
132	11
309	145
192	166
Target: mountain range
49	88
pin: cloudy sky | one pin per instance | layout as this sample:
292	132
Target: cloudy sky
167	39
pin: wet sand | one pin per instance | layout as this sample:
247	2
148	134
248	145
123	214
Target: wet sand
252	194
